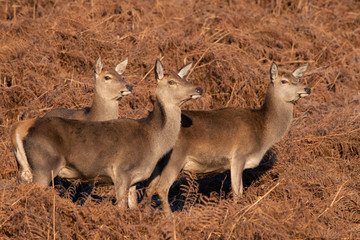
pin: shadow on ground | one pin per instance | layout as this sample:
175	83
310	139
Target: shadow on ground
219	184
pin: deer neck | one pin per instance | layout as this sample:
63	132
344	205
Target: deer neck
103	109
278	115
164	122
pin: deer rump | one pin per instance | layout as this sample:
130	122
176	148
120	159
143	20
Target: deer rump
87	150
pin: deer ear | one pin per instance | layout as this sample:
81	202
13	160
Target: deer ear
159	70
300	71
98	66
120	68
184	71
274	71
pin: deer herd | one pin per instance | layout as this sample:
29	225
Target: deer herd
93	145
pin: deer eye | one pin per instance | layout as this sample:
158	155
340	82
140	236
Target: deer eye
107	77
284	81
171	82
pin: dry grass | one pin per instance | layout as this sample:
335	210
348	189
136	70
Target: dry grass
47	51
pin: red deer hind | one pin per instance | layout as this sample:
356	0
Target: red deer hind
122	152
110	87
232	138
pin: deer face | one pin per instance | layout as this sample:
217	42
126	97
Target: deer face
287	86
173	88
109	83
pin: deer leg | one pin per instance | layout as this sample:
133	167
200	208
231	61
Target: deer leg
122	185
236	170
132	197
43	178
25	174
169	175
121	191
153	182
44	171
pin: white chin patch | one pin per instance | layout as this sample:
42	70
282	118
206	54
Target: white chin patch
195	96
303	95
125	93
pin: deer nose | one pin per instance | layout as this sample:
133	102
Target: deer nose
129	87
199	90
307	90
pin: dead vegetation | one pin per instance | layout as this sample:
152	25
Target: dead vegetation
47	52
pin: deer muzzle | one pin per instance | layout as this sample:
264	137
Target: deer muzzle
128	91
199	92
306	92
